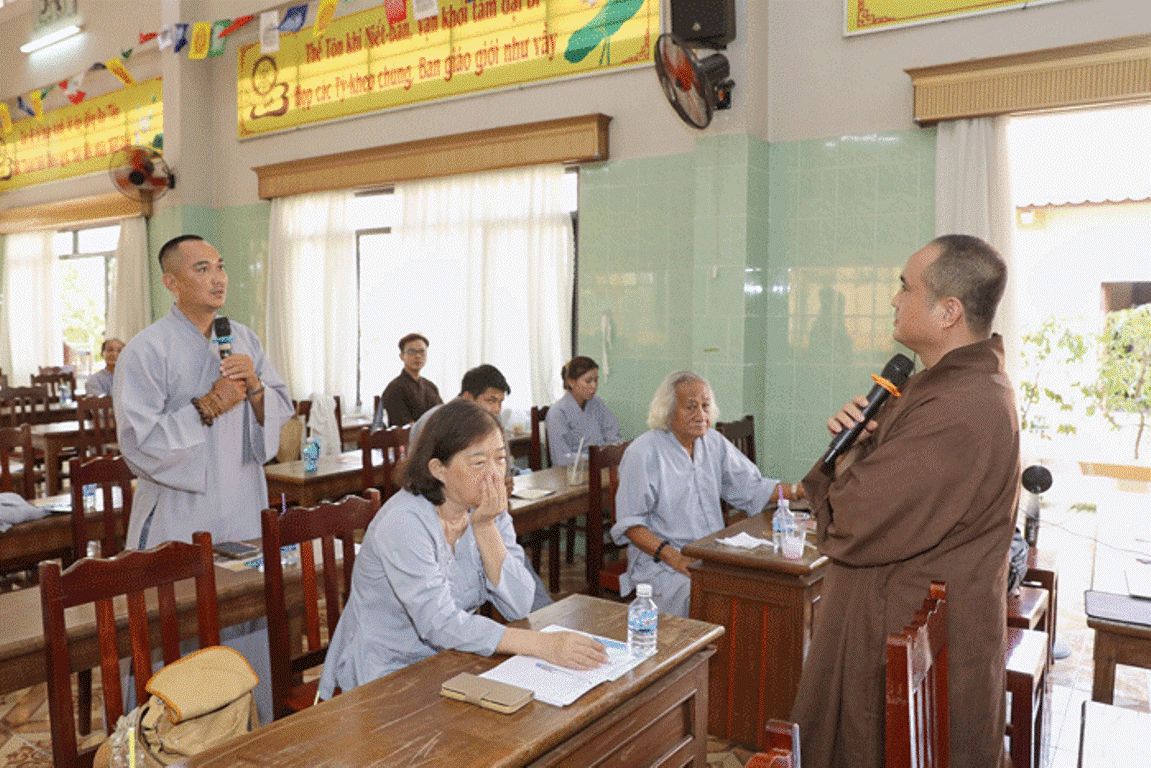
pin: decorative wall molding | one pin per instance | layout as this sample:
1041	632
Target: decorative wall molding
1108	71
98	209
567	140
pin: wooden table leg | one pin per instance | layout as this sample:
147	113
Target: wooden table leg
1103	681
594	550
51	468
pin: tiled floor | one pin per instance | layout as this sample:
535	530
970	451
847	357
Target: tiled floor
1070	532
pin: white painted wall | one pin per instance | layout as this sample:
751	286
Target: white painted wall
823	84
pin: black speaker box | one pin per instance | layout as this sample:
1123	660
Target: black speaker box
707	23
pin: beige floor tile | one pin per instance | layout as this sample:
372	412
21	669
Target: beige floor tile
17	753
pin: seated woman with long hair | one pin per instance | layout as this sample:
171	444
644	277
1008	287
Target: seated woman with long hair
438	550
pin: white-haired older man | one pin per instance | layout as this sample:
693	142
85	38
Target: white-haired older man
670	482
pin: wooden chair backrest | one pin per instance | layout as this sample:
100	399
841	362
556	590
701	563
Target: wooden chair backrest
302	525
97	422
917	728
393	446
740	432
106	473
538	450
601	499
304	408
23	405
22	479
100	581
53	379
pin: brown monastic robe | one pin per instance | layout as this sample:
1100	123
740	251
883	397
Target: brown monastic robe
929	496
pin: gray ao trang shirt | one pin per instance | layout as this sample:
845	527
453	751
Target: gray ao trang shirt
568	425
412	596
192	477
676	497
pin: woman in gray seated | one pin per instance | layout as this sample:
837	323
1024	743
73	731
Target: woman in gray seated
579	418
437	550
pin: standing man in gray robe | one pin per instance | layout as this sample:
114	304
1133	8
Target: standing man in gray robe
196	429
927	494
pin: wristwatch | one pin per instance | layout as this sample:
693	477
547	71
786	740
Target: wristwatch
659	549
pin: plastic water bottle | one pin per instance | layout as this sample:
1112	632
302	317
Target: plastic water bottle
89	498
311	454
642	622
779	521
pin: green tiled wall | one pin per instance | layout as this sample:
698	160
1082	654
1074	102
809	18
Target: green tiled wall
769	269
240	234
844	215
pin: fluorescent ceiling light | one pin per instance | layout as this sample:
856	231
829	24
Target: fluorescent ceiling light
54	37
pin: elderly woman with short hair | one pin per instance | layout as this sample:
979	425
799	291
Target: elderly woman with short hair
671	480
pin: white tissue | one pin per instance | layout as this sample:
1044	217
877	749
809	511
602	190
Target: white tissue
745	540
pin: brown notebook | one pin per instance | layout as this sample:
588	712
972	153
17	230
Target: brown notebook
489	694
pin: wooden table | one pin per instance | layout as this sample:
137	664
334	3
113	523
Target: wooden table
653	715
1113	737
565	502
240	596
350	426
54	439
26	544
334	478
767	604
1122	627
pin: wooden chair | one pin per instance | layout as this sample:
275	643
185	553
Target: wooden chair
106	473
97	422
917	728
1042	572
18	476
742	434
781	745
23	405
392	443
301	525
54	379
304	408
601	502
538	449
100	581
1027	663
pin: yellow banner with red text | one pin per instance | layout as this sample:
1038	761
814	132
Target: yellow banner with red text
364	62
79	139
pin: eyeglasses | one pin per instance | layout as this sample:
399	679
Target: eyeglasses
416	352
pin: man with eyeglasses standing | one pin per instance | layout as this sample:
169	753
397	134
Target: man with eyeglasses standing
408	395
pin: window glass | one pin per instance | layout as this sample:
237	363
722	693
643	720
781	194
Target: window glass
99	239
62	243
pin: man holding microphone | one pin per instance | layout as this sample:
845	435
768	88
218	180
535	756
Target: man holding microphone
927	493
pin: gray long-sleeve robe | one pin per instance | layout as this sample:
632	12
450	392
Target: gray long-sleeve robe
568	426
412	595
676	497
192	477
930	496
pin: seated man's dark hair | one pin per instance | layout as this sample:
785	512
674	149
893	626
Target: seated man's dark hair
409	338
482	378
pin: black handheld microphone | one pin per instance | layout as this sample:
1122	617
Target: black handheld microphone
894	375
223	330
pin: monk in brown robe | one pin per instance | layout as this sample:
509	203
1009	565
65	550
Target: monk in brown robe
928	493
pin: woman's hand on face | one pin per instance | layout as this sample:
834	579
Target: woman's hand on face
494	499
573	650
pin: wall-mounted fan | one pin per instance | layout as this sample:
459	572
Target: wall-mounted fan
695	88
141	174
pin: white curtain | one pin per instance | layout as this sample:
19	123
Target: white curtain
973	197
311	317
130	303
33	331
489	262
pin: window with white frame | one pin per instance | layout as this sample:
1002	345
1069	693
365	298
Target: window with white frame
86	257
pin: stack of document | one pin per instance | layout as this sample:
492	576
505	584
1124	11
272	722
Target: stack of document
561	686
